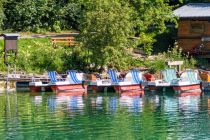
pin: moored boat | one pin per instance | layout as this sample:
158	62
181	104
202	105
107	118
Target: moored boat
100	85
67	86
205	77
73	82
132	81
39	87
188	81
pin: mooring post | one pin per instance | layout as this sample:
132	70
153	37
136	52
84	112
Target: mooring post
10	49
7	80
105	89
164	89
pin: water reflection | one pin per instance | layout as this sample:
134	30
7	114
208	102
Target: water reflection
207	96
132	103
71	102
189	103
152	101
104	116
113	103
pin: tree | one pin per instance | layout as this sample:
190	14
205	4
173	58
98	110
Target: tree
108	26
33	15
150	20
1	13
105	30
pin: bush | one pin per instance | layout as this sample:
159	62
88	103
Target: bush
158	62
38	55
1	14
36	15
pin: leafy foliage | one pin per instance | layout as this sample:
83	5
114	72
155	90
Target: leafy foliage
108	26
150	20
158	62
38	55
109	30
1	13
30	15
105	30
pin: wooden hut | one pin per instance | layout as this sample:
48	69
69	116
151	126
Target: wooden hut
194	28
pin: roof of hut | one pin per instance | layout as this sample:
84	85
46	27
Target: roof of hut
193	10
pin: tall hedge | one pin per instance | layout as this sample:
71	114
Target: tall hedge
1	13
33	15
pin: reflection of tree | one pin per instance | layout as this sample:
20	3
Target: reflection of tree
194	119
9	116
102	117
208	105
153	120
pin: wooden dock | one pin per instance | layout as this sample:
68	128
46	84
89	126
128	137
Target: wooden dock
19	83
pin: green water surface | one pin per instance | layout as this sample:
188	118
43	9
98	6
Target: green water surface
104	116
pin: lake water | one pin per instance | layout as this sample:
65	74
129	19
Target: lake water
104	116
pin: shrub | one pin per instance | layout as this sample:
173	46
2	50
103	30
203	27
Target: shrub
38	55
158	62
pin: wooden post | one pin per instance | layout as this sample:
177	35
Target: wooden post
7	80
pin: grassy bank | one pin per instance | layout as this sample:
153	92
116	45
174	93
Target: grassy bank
38	55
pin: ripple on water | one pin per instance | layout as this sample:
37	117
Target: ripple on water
41	116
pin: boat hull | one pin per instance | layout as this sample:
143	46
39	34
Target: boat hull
95	88
159	85
100	85
69	87
71	93
183	94
133	93
40	88
182	88
124	88
176	88
152	88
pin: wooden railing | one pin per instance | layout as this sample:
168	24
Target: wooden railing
63	41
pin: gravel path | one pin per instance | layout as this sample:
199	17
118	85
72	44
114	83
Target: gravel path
47	35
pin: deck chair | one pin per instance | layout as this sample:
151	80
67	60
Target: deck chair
73	75
169	75
54	77
136	77
190	75
113	76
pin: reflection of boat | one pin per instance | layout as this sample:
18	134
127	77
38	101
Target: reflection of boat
74	101
113	101
209	105
189	103
71	93
132	93
51	101
133	103
170	105
183	94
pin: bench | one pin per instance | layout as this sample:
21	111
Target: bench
66	41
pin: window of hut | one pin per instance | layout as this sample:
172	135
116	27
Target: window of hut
197	28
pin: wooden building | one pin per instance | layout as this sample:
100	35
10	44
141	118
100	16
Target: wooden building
194	28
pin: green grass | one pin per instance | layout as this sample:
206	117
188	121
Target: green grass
36	55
